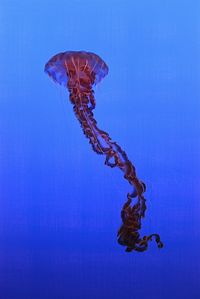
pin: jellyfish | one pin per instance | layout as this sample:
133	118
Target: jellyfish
79	71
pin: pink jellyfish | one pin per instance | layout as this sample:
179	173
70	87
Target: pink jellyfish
79	71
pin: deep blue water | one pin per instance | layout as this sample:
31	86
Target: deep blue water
59	205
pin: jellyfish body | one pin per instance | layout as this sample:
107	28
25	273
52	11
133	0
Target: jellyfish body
79	71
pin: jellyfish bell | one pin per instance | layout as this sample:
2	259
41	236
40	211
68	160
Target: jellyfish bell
76	66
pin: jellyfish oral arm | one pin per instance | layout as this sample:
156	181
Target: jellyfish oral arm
102	144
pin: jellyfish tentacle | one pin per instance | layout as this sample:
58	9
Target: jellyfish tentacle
92	101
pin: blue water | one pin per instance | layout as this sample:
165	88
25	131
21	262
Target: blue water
59	204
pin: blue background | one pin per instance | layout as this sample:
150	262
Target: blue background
59	205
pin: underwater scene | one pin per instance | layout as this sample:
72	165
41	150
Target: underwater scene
99	149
